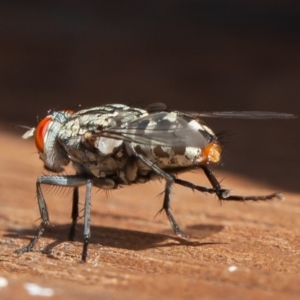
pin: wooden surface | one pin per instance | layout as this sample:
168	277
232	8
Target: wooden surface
194	56
235	251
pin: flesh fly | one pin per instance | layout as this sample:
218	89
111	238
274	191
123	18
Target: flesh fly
115	145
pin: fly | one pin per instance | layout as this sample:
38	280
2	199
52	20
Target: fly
115	145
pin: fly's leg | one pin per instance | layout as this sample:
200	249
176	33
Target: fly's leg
44	216
166	204
65	181
87	220
166	207
223	194
74	214
192	186
103	183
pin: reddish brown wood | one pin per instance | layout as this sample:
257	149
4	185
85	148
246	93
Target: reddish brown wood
133	255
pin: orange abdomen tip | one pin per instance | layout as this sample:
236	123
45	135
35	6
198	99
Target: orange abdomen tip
211	153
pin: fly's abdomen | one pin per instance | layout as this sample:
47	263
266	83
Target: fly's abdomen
176	157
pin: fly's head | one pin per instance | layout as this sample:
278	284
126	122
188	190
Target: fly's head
45	134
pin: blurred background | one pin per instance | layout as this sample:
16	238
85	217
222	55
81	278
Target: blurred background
192	55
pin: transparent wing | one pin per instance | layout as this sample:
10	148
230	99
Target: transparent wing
163	128
245	115
169	129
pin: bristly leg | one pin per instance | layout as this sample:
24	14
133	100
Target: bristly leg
167	192
64	181
192	186
166	207
75	213
223	194
44	216
87	220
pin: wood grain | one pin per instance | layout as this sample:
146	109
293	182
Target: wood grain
133	255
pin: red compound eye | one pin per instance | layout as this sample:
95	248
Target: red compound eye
40	132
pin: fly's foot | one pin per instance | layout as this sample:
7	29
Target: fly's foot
279	196
23	250
223	193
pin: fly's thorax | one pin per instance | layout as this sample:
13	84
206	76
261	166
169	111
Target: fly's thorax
98	118
90	154
106	146
50	150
